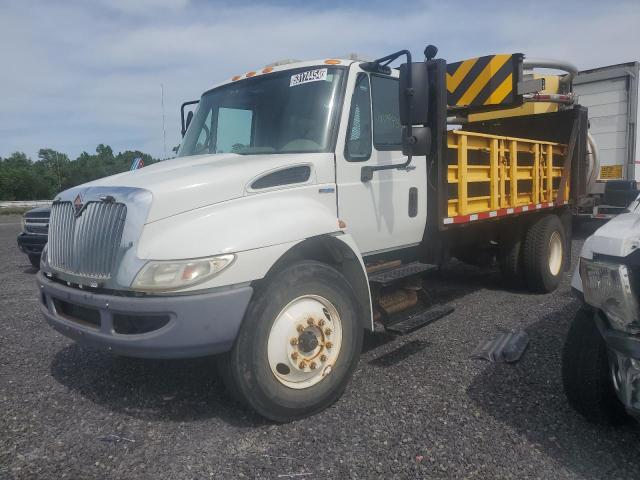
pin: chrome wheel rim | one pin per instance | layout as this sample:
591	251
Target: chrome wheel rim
304	342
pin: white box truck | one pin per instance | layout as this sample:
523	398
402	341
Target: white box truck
611	95
305	203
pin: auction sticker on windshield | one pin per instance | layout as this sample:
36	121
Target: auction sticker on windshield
308	76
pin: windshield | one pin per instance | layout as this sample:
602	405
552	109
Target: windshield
282	112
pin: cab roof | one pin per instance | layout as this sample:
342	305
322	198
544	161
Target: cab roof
290	65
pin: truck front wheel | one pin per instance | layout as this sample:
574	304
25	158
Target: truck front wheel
586	374
35	260
544	254
298	345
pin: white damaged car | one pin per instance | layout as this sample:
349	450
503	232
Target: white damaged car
601	358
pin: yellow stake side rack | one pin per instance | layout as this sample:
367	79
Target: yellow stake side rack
481	167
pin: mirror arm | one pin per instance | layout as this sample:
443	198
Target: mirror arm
366	173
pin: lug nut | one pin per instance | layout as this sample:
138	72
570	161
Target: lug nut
328	344
312	365
327	331
300	328
301	365
323	358
293	341
294	355
310	321
321	322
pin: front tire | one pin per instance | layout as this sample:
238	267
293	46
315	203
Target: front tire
298	345
586	375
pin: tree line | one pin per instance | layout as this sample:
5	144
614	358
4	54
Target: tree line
22	178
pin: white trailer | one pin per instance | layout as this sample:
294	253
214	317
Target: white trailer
611	95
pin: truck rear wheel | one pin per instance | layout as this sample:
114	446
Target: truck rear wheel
510	257
586	375
544	254
298	345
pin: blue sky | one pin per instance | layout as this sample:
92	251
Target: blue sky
77	73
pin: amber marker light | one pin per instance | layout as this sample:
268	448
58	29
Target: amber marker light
332	62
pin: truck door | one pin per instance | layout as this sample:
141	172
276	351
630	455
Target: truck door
389	211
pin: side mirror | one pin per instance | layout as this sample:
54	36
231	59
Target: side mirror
414	94
418	143
188	122
189	116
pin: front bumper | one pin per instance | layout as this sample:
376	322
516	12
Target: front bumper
192	325
31	244
624	356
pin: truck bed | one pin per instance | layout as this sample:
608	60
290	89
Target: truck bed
480	169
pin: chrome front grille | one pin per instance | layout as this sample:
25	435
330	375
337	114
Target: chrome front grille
86	245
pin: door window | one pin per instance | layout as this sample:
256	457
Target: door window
358	145
387	131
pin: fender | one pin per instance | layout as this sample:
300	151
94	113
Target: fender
362	287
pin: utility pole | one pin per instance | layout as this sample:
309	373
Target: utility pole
164	132
58	169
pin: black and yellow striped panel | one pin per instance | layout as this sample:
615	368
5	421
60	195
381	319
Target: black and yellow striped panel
484	81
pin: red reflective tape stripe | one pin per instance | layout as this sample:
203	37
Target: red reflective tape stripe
532	207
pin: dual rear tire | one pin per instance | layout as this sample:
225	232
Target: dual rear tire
534	255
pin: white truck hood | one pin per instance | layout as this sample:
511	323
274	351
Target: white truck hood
187	183
618	237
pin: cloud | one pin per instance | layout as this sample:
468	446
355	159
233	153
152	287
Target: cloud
77	73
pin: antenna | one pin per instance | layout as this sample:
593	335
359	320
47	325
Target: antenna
164	132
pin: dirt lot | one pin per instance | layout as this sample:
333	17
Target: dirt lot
417	407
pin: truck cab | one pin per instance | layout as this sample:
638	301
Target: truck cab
33	237
305	202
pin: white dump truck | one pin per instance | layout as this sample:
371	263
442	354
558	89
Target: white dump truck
306	202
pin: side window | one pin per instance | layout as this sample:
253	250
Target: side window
202	144
387	131
234	129
358	145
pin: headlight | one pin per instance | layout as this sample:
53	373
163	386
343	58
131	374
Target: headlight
607	286
164	275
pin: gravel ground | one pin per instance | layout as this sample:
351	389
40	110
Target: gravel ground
418	407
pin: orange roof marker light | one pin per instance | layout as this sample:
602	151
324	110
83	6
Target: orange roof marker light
267	70
332	62
236	78
250	74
